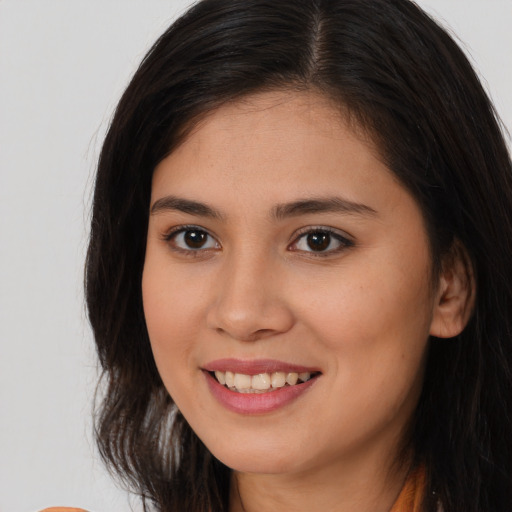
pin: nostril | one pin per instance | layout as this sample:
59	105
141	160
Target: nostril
251	336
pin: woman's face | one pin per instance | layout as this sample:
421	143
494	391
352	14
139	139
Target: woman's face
281	250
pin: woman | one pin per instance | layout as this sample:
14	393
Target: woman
298	273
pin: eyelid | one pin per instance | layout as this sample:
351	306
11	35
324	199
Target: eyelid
170	234
342	237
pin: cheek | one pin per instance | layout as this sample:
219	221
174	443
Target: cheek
173	316
374	324
173	296
383	293
376	346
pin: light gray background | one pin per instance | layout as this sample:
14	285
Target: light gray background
63	65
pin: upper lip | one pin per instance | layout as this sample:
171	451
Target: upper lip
256	366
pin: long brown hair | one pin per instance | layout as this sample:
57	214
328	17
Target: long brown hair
403	79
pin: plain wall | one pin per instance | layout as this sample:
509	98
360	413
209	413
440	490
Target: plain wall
63	65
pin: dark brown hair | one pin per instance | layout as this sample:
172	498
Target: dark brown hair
403	79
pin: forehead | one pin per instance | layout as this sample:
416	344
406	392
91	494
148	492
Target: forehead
273	110
272	137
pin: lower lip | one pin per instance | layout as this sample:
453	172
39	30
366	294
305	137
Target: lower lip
256	403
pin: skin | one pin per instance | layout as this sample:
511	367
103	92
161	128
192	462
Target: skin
361	312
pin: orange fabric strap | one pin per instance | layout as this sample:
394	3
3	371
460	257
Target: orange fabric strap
63	509
412	493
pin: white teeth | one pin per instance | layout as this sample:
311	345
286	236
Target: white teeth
260	383
230	379
278	379
292	378
242	381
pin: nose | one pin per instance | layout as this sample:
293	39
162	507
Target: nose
250	302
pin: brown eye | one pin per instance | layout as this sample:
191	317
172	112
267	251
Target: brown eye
318	241
321	242
192	239
195	239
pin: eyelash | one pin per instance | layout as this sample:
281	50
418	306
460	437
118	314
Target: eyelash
171	236
343	241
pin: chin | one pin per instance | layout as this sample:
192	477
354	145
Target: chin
259	465
250	457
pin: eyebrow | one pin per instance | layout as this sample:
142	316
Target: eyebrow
186	206
321	205
279	211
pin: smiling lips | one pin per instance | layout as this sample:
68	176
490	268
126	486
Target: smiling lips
260	383
252	387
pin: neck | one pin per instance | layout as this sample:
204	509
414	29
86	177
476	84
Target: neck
344	488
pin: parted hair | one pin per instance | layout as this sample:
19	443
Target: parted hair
403	79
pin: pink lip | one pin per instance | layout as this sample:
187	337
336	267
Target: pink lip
255	366
255	403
